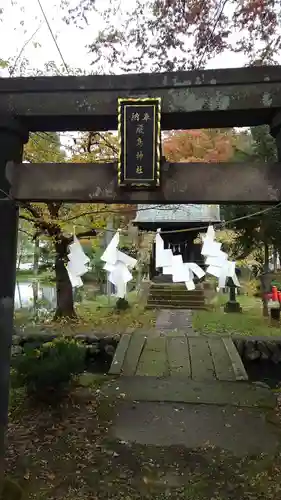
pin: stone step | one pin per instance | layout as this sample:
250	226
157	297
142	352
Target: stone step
176	289
175	296
167	305
175	293
183	390
175	286
178	294
185	303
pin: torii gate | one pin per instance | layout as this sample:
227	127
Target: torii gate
196	99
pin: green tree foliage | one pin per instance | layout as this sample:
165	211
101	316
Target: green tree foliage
57	221
263	230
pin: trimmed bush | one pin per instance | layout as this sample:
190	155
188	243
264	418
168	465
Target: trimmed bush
122	304
50	368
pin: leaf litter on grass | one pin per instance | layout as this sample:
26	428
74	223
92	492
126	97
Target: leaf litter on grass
94	316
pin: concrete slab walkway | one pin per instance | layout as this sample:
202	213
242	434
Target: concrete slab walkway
231	416
240	431
176	321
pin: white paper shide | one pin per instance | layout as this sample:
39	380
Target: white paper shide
118	266
182	272
77	265
217	260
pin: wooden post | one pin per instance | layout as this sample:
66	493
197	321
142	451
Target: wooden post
12	138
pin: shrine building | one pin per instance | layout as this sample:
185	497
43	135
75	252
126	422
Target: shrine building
177	218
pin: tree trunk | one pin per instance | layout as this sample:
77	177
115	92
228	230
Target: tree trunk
266	270
275	258
35	289
65	303
266	258
278	252
19	256
139	278
36	256
19	294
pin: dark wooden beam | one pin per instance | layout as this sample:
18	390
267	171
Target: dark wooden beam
190	99
180	183
12	138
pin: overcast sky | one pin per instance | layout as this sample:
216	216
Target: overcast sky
72	40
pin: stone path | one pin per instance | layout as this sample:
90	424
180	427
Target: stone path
180	388
177	321
236	417
196	426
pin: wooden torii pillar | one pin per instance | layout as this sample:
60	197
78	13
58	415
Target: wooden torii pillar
191	99
12	138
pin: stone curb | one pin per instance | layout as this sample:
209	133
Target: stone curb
94	344
259	348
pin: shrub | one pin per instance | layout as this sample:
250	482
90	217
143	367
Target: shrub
11	491
51	367
122	304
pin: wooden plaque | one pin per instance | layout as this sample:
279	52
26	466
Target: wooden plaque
139	131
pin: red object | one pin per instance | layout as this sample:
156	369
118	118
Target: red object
279	296
275	294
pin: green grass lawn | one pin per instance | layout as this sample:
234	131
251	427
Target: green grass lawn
250	322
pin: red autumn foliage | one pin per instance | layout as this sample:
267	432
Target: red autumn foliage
199	146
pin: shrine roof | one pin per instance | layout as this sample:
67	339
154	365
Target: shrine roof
177	213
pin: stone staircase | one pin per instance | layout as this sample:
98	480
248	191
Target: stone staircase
175	296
